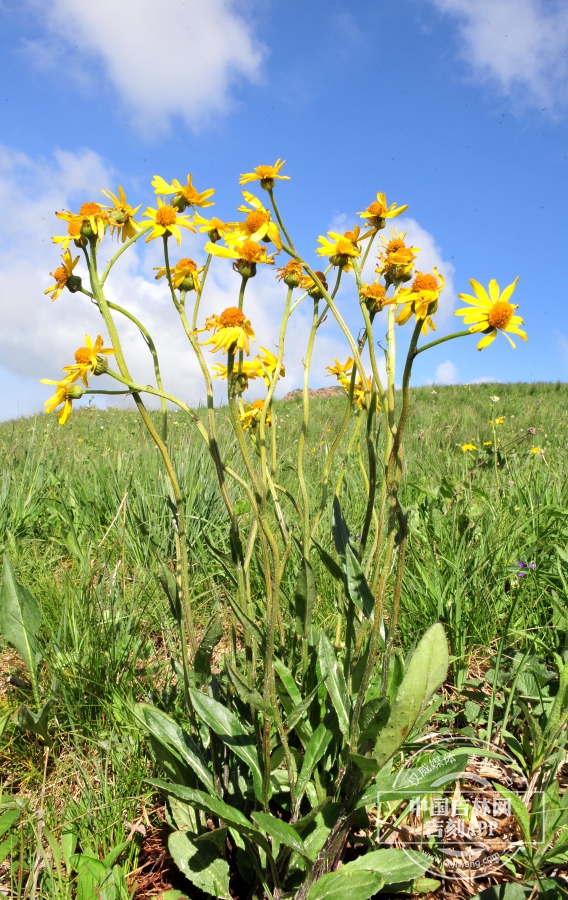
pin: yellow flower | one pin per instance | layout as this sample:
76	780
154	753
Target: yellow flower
185	274
267	363
250	414
184	194
65	392
498	421
467	447
308	284
121	215
487	443
215	228
491	312
291	274
258	225
396	260
93	221
231	330
378	211
246	255
62	275
89	360
249	371
167	221
341	248
358	391
420	299
536	450
73	233
266	175
375	297
342	370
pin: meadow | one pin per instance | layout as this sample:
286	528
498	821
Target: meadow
85	514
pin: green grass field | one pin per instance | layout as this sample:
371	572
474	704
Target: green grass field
84	509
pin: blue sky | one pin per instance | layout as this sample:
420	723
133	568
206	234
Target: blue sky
457	107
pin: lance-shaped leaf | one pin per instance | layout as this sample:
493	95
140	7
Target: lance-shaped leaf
305	597
247	623
200	862
211	637
424	675
249	695
339	529
363	877
231	731
20	617
316	748
334	681
280	831
36	722
357	586
174	738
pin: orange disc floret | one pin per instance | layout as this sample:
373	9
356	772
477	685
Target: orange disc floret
395	246
231	317
90	209
376	209
186	263
425	282
83	356
61	275
166	215
257	404
500	314
256	220
251	251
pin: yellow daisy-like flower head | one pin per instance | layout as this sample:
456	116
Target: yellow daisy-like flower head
267	175
249	371
73	232
89	360
396	260
267	363
231	331
93	221
378	212
341	248
374	296
308	284
341	370
65	392
291	274
246	256
250	415
421	299
64	277
491	312
167	220
215	228
468	447
358	391
184	194
121	215
185	274
258	225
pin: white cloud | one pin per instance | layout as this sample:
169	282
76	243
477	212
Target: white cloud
38	336
165	58
518	45
446	373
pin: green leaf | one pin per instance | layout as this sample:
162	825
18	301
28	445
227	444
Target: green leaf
357	586
7	846
249	695
8	818
287	680
95	881
519	811
69	838
425	673
374	715
305	597
316	748
171	735
335	682
211	637
247	623
20	617
231	731
360	879
329	562
201	863
36	722
299	711
169	585
340	531
512	890
280	830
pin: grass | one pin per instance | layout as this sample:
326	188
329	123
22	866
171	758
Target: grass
84	509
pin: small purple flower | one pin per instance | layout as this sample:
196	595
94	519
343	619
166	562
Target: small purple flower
521	564
532	565
522	575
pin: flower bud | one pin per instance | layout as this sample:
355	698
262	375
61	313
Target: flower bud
245	268
75	391
102	366
180	203
74	283
188	283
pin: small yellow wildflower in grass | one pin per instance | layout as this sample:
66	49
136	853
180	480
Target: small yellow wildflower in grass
246	256
258	225
231	330
378	212
537	450
340	248
62	275
121	215
267	175
250	414
89	360
498	421
65	392
184	194
421	299
491	312
167	221
396	260
185	274
487	443
291	274
374	296
215	228
468	447
494	399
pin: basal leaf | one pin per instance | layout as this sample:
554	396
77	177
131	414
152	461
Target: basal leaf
211	637
20	616
201	863
335	682
280	830
171	735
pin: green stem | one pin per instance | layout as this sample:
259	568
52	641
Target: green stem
279	217
442	340
143	229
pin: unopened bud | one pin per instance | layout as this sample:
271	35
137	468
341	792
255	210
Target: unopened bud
245	268
101	366
180	203
75	391
74	283
188	283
